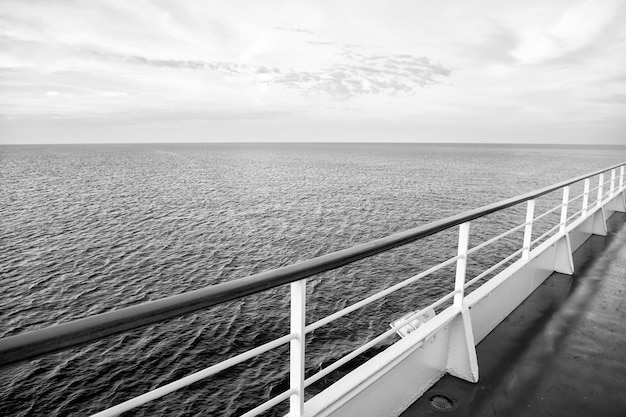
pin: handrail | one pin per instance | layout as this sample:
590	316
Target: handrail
58	337
328	319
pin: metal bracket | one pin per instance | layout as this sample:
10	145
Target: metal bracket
617	203
563	261
599	223
462	362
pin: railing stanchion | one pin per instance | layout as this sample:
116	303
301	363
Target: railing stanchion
461	264
612	185
296	347
601	182
621	177
528	229
585	198
563	222
462	361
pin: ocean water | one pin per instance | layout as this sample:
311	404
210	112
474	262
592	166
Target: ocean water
88	229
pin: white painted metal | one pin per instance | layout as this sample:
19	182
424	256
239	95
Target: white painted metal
619	202
313	326
488	306
528	230
462	361
401	373
495	239
397	325
496	298
585	198
544	235
612	186
461	265
351	355
571	200
563	261
564	209
386	384
544	214
296	348
600	186
493	267
615	203
574	216
599	222
269	404
433	306
413	324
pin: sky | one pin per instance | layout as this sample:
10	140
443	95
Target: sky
533	71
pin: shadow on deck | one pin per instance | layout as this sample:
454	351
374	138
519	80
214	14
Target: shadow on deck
562	352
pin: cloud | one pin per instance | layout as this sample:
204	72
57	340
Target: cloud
296	30
195	64
500	62
370	74
581	26
361	74
96	59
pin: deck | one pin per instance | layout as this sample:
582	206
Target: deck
562	352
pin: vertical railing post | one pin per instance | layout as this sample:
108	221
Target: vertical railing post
564	209
601	183
296	346
612	185
585	198
461	265
621	177
462	361
528	229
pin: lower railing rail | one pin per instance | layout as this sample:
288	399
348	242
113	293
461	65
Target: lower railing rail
29	345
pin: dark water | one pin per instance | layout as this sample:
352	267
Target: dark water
87	229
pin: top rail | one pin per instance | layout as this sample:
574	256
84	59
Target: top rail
62	336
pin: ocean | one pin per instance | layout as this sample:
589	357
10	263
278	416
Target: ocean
91	228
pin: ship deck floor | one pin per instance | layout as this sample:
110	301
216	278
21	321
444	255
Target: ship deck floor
562	352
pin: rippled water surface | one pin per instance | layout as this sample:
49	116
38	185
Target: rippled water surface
87	229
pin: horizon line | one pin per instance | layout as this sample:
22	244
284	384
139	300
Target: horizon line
504	144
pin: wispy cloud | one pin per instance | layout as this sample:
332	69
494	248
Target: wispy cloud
296	30
369	74
577	27
231	68
362	74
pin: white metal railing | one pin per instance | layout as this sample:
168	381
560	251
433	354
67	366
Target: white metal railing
298	300
299	329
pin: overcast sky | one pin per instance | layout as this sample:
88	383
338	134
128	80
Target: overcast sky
425	71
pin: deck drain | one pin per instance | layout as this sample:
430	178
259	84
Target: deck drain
441	402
